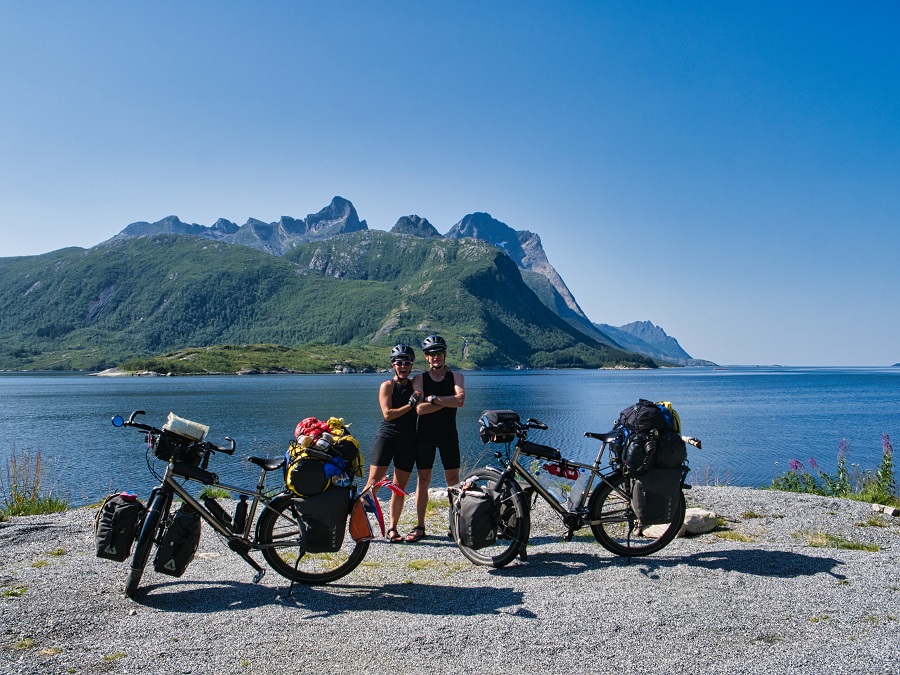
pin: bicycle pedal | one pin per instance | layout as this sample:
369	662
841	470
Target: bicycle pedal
568	536
258	576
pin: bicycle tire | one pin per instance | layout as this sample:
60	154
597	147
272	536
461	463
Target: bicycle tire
515	521
280	537
618	533
156	512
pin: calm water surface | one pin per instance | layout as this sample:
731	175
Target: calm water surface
752	420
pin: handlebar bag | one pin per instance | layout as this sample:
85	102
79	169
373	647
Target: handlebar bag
180	541
654	496
476	514
116	525
323	519
498	426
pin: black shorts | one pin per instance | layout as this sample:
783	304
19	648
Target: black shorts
428	447
399	449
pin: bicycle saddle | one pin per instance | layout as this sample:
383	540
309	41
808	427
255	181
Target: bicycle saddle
267	463
608	437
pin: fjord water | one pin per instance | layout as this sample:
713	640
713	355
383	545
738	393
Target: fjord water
752	420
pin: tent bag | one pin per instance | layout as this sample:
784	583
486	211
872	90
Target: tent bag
116	526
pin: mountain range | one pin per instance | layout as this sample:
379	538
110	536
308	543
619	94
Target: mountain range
326	279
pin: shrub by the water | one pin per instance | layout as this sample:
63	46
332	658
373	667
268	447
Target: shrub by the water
22	489
878	486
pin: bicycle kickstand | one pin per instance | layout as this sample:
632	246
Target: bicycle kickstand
242	550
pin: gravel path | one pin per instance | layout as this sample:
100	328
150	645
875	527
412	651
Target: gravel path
752	597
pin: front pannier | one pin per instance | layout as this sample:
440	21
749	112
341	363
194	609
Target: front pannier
655	495
179	542
323	518
498	426
476	516
116	525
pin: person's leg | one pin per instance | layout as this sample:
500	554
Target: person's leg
376	473
423	480
452	476
401	480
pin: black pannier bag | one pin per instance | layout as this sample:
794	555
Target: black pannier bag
498	426
179	542
655	495
671	450
324	519
116	525
476	515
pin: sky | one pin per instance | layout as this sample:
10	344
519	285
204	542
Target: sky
729	171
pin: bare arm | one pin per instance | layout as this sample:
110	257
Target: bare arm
457	400
384	400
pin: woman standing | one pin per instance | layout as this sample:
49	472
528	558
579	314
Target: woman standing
396	437
442	392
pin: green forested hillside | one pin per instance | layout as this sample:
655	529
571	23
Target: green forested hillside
90	309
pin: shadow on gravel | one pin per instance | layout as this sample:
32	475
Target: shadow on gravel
332	599
778	564
323	601
206	596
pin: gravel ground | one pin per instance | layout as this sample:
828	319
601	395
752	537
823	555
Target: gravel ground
754	596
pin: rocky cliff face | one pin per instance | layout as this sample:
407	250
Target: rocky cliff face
525	249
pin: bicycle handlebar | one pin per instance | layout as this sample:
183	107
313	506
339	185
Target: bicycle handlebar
119	421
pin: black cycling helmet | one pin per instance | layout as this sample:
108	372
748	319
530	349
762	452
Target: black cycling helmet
402	352
434	343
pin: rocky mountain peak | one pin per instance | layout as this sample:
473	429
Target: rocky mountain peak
416	226
339	217
486	228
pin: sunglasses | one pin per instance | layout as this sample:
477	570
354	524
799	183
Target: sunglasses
436	352
402	363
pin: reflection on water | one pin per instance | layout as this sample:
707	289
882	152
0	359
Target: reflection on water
751	420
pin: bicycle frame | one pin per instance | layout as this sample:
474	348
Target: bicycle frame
258	495
581	507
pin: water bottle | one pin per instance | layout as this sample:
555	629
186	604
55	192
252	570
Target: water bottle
578	489
240	515
552	486
216	509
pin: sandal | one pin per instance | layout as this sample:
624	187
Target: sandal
418	532
393	538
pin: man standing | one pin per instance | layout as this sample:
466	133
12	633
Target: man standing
441	392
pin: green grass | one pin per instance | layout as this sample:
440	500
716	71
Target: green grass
17	592
827	540
114	656
22	490
731	535
214	493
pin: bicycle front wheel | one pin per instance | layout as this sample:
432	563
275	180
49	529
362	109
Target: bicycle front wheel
615	526
515	521
280	536
156	514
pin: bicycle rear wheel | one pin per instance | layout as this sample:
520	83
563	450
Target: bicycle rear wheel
280	538
617	529
515	521
156	514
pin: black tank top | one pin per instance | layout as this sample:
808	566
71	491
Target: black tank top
405	425
443	421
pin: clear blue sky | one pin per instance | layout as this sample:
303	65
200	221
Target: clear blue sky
729	171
